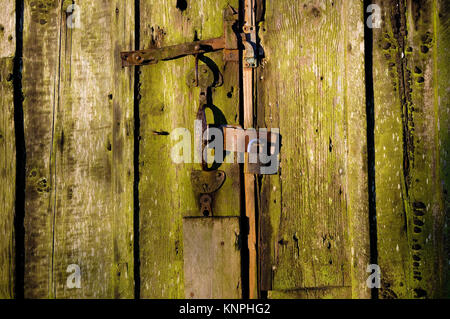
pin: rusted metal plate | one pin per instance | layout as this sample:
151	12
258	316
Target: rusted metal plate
207	181
212	257
203	77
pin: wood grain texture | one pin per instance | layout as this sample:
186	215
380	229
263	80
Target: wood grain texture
166	103
411	148
312	293
8	29
78	113
314	218
212	257
7	150
312	239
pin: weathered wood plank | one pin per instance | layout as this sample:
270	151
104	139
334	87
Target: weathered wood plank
78	113
212	257
357	148
165	192
314	219
7	150
411	147
40	63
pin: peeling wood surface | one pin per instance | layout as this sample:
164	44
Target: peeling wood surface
78	114
314	224
7	151
212	257
411	81
166	103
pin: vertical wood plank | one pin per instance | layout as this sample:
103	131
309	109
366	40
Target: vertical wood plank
165	191
7	150
411	148
78	112
40	64
357	186
314	227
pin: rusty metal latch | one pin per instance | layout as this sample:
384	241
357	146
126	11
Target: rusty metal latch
205	182
228	43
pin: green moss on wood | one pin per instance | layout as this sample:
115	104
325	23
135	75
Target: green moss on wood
166	103
410	206
7	181
311	89
79	194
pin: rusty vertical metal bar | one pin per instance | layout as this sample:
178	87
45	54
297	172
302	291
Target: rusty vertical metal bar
249	178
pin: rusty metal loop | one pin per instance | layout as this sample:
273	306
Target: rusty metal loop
201	116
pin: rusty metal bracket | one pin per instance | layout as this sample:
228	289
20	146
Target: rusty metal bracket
205	183
202	76
228	43
250	55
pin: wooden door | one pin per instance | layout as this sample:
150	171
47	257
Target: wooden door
92	205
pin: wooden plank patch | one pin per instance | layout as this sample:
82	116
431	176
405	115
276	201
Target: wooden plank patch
212	258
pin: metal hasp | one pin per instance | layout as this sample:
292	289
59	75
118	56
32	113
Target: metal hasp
204	182
228	43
